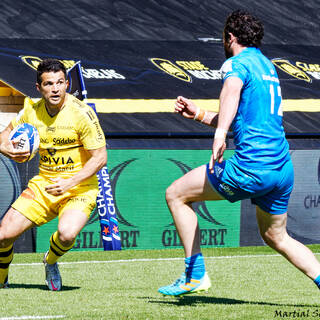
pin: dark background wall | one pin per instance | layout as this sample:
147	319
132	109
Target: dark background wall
286	22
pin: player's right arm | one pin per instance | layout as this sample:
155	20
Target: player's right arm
7	147
189	110
229	102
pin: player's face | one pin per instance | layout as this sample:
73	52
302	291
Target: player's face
53	88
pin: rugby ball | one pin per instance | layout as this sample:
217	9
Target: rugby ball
27	137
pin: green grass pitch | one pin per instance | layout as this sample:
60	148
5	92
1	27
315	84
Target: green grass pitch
247	283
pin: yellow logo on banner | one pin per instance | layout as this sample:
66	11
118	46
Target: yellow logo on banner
291	69
33	62
170	68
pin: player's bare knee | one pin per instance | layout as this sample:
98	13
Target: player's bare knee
273	240
172	194
67	236
169	194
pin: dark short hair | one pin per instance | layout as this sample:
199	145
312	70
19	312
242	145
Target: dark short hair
245	27
50	65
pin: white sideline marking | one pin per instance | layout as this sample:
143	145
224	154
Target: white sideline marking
148	260
32	317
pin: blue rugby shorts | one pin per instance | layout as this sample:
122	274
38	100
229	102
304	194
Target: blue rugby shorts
268	189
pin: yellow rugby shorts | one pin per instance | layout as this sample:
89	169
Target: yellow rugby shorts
40	207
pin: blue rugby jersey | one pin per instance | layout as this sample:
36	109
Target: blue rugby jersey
257	127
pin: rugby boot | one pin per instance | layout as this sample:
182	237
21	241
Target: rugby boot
53	278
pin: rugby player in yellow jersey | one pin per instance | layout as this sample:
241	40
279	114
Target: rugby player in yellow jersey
72	149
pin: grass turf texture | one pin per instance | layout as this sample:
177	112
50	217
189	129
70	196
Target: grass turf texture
247	283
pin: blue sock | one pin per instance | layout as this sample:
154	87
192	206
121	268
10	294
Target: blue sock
317	281
195	268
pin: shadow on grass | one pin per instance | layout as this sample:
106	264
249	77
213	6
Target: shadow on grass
193	300
38	286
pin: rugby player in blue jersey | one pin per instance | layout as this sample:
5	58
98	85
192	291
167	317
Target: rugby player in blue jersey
260	169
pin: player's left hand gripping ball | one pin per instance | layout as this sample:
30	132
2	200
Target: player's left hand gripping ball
27	139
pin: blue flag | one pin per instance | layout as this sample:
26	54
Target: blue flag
106	209
76	82
107	213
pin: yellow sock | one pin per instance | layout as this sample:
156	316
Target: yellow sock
56	249
6	256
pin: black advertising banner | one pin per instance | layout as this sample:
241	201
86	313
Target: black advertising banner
134	83
153	70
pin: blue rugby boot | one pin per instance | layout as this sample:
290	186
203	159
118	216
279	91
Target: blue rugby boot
53	278
184	285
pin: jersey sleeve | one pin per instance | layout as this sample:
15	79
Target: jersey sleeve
22	116
90	131
233	68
